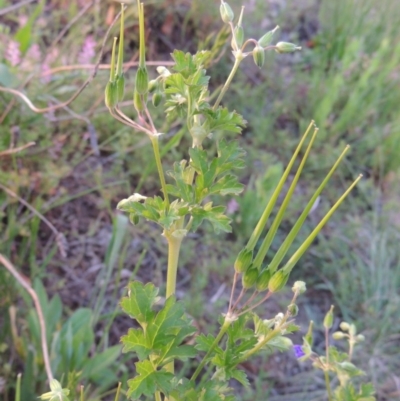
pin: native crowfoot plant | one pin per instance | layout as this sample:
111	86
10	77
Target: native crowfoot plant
186	202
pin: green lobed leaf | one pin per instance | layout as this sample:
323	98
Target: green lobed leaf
223	120
214	215
149	380
139	302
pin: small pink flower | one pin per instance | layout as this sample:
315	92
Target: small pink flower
87	52
232	207
13	53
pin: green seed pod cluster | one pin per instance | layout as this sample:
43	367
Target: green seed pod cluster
249	277
286	47
111	95
263	280
227	14
142	81
120	82
278	281
243	260
259	56
328	320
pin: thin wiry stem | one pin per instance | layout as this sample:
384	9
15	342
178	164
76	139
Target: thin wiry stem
10	267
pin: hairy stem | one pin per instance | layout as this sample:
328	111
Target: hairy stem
328	385
156	149
227	83
221	333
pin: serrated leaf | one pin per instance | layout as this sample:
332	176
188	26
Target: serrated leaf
204	343
182	190
214	215
227	185
135	341
224	120
139	302
149	380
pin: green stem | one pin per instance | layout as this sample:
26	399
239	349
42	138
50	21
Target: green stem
156	149
158	396
328	385
221	333
174	246
228	82
261	344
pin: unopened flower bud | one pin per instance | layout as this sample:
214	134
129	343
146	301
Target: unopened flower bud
308	338
153	85
360	338
243	260
138	102
344	326
299	287
259	56
142	81
156	99
120	81
286	47
338	335
263	280
134	219
227	14
293	309
111	95
328	320
239	36
352	330
249	278
266	39
278	281
163	71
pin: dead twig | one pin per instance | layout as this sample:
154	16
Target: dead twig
60	238
16	150
10	267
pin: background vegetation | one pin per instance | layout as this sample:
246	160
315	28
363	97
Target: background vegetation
81	256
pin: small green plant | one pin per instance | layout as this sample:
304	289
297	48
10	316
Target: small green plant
337	362
160	337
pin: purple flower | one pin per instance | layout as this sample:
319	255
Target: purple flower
298	351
